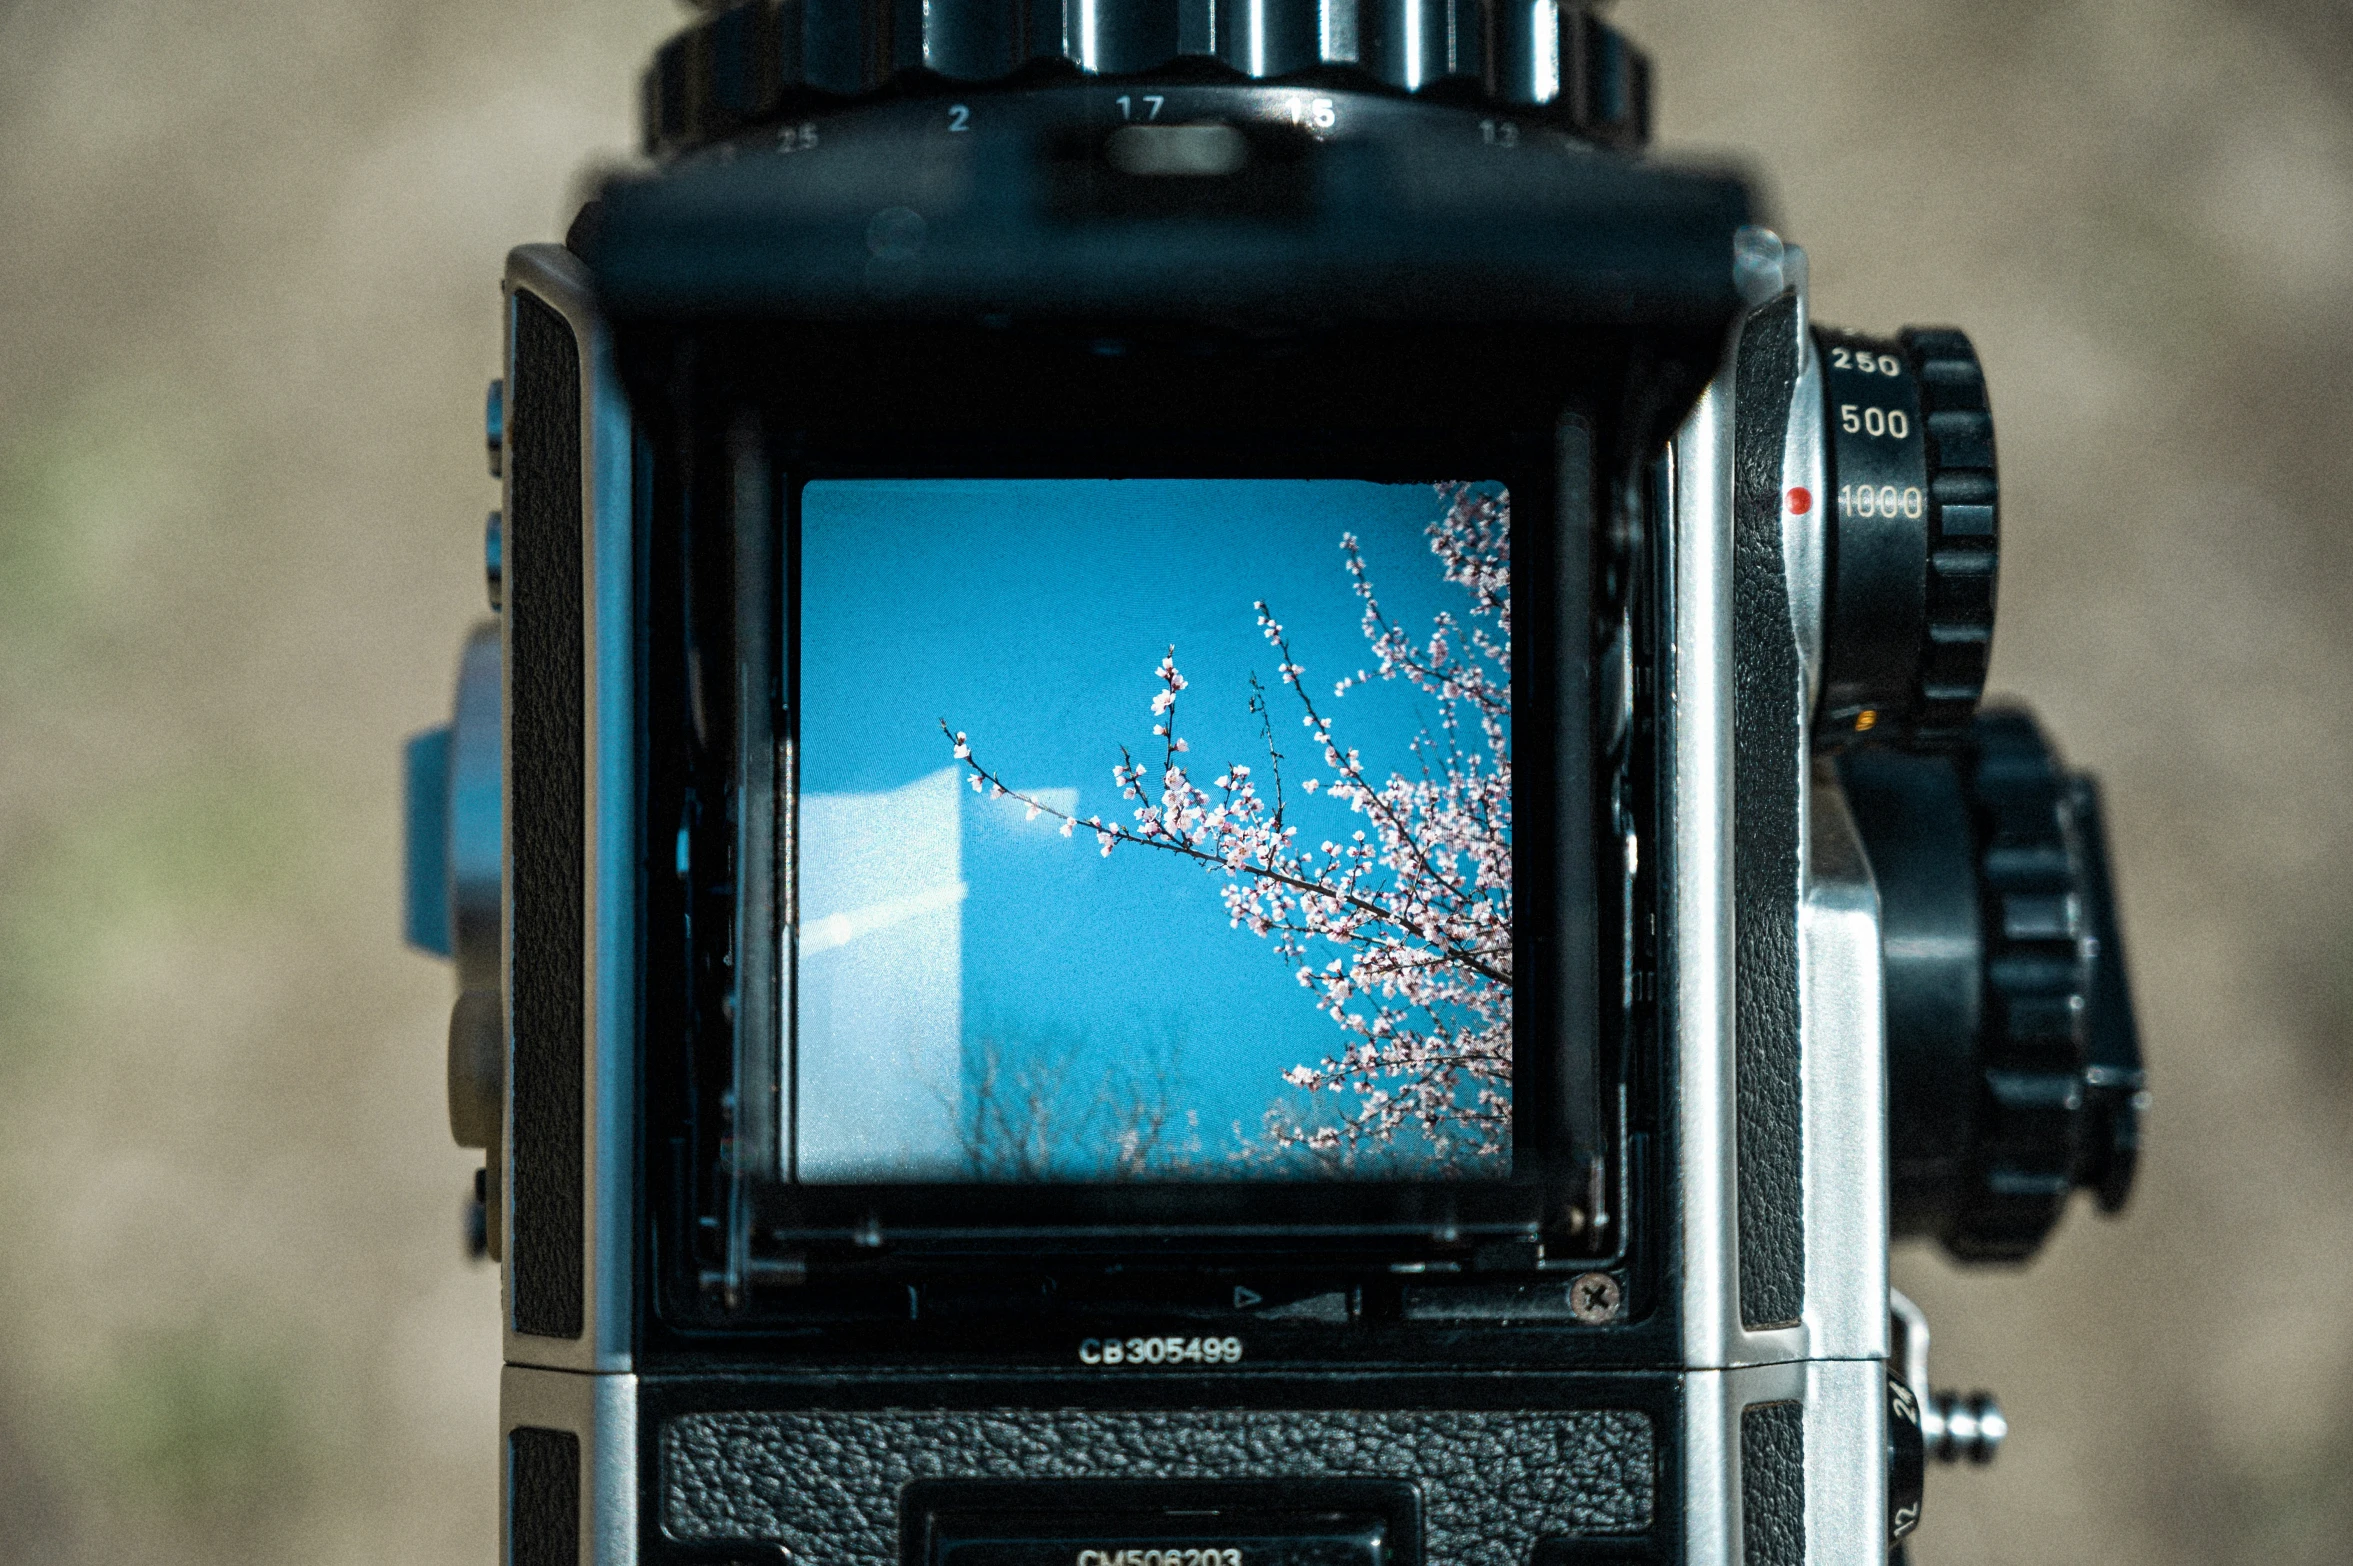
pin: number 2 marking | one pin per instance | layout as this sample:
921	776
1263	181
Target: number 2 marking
959	117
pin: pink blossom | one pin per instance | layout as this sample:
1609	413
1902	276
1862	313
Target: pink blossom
1418	899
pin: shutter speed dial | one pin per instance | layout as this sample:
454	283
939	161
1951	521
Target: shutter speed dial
1914	541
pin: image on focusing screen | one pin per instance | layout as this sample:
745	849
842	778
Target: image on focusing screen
1152	830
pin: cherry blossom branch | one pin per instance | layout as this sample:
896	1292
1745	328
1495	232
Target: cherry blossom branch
1109	832
1342	762
1420	907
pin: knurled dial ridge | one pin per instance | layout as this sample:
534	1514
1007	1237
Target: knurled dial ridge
2059	1059
1964	542
1909	602
751	62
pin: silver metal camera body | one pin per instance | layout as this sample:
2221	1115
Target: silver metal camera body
1691	1362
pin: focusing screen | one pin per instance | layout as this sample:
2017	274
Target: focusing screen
1150	830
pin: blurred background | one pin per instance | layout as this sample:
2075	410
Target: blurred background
249	258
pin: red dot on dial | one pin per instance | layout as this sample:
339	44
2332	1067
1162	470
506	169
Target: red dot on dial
1801	501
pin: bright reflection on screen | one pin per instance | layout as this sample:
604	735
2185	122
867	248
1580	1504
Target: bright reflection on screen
1152	830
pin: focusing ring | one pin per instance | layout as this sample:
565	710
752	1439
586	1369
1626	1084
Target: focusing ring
755	62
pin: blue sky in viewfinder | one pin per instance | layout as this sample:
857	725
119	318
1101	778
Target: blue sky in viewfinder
1031	614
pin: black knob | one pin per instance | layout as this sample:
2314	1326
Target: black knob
1963	1428
1915	541
756	62
2014	1067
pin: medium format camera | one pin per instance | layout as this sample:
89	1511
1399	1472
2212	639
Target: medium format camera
1015	1007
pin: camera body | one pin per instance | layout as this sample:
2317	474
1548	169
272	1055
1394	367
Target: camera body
752	1313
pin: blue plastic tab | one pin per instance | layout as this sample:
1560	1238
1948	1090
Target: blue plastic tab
428	842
